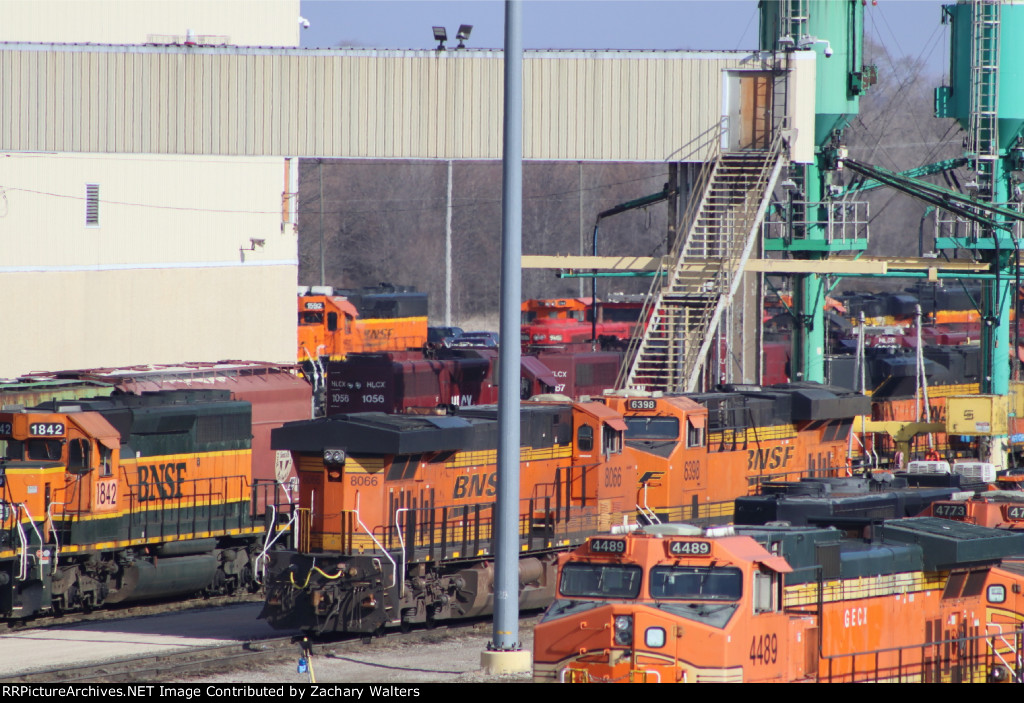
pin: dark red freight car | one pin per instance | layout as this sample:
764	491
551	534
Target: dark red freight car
277	394
584	373
396	382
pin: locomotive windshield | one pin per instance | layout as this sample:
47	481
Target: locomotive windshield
650	427
582	580
696	583
33	450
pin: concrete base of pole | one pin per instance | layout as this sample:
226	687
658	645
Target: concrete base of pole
511	662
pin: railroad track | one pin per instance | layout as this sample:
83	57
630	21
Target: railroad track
110	612
164	667
201	661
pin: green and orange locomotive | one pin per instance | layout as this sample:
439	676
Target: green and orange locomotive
130	497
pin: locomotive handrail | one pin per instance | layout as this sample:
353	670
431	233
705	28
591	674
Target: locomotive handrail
23	559
359	521
1018	677
272	537
473	524
197	499
900	670
23	572
651	517
53	533
401	541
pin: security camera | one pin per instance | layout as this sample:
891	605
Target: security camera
828	52
304	23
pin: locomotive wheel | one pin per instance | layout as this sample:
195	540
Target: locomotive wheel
368	637
245	581
406	624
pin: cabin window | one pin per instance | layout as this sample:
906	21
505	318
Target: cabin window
612	440
764	592
78	455
600	580
106	468
311	318
696	583
44	449
348	324
694	435
585	438
651	427
525	389
15	450
332	321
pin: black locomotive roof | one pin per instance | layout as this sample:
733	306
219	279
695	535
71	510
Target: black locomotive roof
170	422
902	545
383	434
373	433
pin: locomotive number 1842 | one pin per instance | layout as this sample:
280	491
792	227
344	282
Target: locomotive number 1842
106	495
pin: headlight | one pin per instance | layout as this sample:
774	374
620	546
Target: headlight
538	337
623	629
334	456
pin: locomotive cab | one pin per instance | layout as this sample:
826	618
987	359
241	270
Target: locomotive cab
327	328
667	437
668	605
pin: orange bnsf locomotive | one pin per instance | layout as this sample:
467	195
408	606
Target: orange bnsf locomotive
334	323
127	498
396	511
697	453
921	599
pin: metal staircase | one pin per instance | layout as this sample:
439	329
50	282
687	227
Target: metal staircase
697	280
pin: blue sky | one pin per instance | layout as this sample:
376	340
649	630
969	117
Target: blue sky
908	28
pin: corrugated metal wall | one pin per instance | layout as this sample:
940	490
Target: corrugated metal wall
619	106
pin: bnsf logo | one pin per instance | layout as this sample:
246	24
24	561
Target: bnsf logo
476	486
769	459
163	481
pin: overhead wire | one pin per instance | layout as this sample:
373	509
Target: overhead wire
383	209
916	65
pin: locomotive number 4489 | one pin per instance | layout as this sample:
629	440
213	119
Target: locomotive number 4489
691	548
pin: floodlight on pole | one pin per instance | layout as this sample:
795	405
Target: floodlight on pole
440	36
463	35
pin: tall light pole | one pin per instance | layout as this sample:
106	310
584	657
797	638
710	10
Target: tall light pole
504	654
